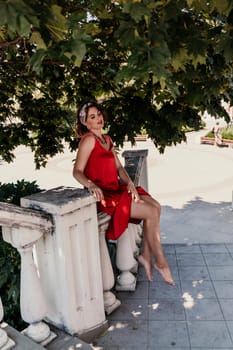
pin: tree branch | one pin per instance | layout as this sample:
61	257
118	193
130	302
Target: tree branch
11	43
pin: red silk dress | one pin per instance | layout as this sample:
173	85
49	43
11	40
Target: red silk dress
101	169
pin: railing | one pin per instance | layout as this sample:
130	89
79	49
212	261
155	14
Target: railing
5	341
66	271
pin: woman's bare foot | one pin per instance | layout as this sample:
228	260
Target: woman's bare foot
165	273
147	267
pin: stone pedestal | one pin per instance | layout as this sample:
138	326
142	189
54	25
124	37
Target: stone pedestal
68	261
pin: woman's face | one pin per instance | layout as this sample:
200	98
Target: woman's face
95	119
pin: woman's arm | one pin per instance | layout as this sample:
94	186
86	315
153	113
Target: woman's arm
85	148
124	176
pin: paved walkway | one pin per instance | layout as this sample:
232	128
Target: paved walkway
194	184
197	313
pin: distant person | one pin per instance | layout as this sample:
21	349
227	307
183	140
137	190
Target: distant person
98	169
217	134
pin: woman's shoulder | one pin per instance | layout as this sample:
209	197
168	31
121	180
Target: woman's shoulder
108	137
87	140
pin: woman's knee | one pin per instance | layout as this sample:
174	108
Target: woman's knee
154	211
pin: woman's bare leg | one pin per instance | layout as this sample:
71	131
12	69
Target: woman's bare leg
149	210
146	260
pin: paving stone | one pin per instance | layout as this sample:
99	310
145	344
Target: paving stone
229	247
227	309
131	309
221	273
212	334
224	289
171	334
218	259
171	259
230	327
161	290
193	273
124	335
170	249
198	289
203	309
213	248
168	310
174	271
190	259
141	292
193	248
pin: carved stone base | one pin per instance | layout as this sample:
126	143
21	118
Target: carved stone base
126	288
40	333
110	308
126	281
51	336
9	345
6	343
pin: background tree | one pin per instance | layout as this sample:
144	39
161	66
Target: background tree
155	65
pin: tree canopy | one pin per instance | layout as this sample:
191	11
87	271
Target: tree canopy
155	65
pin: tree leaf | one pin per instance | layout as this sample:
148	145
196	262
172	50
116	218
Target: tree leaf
37	39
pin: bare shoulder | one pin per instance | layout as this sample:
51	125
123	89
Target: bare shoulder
87	142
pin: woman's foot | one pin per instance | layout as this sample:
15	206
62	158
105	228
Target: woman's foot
165	273
147	267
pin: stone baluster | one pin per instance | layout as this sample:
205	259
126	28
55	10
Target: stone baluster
128	245
132	228
110	301
139	234
125	262
32	301
5	342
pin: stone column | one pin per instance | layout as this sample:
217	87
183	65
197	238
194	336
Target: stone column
33	306
125	262
69	261
5	342
110	301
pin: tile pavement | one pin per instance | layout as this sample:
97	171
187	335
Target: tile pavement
195	314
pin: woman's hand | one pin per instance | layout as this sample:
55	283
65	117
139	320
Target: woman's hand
133	191
96	192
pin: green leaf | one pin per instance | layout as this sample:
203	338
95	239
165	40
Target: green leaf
24	27
57	23
180	59
78	51
37	39
126	33
36	61
136	10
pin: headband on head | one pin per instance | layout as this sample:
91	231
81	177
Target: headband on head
83	113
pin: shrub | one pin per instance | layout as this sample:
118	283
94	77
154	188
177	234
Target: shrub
227	133
10	258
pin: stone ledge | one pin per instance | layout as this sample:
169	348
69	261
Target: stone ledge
21	341
210	141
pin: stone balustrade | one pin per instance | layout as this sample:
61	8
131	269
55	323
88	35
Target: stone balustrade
65	260
5	342
22	228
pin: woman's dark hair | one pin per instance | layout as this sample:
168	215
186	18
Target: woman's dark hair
81	129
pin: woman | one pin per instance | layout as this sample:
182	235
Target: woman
98	168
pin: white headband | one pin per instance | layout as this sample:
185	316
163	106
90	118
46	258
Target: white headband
83	113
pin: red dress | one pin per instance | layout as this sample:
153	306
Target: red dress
101	169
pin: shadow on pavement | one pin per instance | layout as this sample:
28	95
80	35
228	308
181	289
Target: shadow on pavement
197	222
